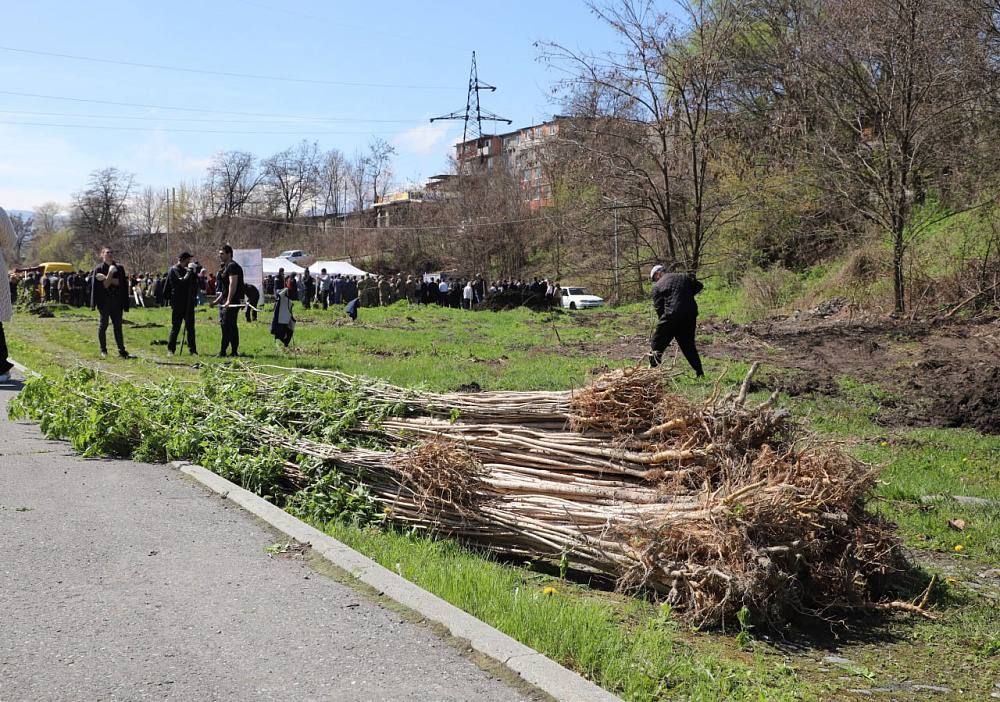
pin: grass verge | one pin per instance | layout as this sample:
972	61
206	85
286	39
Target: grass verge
630	645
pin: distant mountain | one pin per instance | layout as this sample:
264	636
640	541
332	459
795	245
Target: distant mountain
26	214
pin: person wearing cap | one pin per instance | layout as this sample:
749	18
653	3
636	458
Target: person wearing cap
676	314
229	298
109	295
182	291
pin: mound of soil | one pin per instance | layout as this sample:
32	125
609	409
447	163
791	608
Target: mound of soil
927	373
974	403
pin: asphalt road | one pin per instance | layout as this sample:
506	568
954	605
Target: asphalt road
127	581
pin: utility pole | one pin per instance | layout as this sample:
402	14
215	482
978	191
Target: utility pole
618	290
473	114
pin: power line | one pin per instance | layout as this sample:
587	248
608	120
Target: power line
199	110
181	131
368	29
434	227
151	118
225	74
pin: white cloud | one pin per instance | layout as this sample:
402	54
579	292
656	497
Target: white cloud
423	140
157	154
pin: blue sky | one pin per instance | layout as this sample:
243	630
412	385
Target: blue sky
345	56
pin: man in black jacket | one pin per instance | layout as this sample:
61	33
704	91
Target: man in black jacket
182	290
677	315
229	297
109	295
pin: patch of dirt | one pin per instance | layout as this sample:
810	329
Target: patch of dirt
974	403
930	373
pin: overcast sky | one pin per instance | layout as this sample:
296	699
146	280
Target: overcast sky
336	72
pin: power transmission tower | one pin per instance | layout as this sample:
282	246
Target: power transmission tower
473	115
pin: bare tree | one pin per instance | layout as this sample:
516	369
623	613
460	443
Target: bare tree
380	153
98	213
898	80
292	177
358	179
333	177
144	243
232	179
653	117
48	218
24	231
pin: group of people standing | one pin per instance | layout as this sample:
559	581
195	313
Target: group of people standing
110	297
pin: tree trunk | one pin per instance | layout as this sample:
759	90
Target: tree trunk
899	292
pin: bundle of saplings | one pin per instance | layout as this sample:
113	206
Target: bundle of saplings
713	505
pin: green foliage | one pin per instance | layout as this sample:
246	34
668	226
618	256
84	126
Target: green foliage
183	421
333	498
744	639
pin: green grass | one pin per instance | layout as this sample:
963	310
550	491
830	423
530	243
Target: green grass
625	644
426	345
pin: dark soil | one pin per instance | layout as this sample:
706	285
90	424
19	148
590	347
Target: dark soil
975	403
929	373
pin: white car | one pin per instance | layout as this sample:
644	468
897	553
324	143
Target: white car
299	258
579	299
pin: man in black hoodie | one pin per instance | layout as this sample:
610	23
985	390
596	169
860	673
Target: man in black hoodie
109	295
677	315
182	289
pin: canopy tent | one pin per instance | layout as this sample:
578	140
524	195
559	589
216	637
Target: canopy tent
271	266
336	267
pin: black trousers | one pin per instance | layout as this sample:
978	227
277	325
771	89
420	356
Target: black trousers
229	319
283	333
683	330
111	312
182	314
5	365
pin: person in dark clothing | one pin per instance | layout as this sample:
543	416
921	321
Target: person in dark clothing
310	289
181	289
253	301
352	308
229	296
677	315
283	322
109	295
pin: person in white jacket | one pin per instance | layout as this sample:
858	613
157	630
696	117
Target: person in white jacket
6	307
468	294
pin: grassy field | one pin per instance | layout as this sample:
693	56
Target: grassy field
629	645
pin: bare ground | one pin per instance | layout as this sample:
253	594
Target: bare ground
930	373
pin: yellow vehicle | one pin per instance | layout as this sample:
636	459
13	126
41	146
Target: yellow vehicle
55	267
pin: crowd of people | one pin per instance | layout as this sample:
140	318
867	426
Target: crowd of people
187	284
324	290
321	290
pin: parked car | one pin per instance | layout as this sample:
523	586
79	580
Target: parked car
579	299
299	258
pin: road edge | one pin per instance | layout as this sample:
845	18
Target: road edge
533	667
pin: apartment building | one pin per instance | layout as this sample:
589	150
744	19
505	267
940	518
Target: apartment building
519	153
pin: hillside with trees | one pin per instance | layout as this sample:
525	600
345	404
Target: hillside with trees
795	150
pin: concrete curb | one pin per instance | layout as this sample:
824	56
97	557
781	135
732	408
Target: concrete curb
541	672
532	666
25	371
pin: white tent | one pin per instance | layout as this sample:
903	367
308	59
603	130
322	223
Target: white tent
271	266
335	267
